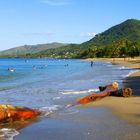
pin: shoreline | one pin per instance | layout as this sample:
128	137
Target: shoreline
126	108
130	63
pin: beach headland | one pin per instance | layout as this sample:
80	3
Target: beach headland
126	108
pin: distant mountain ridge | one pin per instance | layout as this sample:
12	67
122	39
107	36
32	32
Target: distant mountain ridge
30	49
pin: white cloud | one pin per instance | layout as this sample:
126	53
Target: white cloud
88	34
56	2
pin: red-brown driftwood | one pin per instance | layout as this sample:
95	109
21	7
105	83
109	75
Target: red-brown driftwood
106	92
17	113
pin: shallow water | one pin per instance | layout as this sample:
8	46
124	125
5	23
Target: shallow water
43	81
49	84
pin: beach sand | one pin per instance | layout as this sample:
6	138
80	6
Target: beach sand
126	108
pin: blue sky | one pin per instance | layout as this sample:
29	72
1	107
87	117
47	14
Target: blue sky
68	21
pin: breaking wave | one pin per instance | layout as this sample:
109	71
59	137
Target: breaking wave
78	92
8	134
47	110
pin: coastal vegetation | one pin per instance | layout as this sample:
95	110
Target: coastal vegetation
122	40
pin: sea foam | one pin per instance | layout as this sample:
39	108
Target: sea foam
47	110
131	72
8	134
78	92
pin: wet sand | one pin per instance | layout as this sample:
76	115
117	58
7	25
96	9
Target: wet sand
86	123
126	108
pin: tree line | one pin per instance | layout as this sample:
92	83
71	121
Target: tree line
121	48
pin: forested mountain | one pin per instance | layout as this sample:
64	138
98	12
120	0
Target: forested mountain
130	30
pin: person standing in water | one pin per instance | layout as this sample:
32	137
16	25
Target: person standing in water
91	63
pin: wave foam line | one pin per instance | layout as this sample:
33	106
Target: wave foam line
8	134
79	92
131	72
47	110
123	67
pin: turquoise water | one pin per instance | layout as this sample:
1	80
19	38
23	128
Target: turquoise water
40	82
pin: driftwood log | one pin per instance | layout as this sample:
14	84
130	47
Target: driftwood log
108	90
17	113
94	96
123	92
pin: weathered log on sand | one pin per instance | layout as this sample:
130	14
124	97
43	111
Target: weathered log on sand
124	92
106	92
17	113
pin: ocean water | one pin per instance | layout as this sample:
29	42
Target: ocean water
47	80
50	84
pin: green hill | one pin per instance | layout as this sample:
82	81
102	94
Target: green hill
130	30
27	50
122	38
